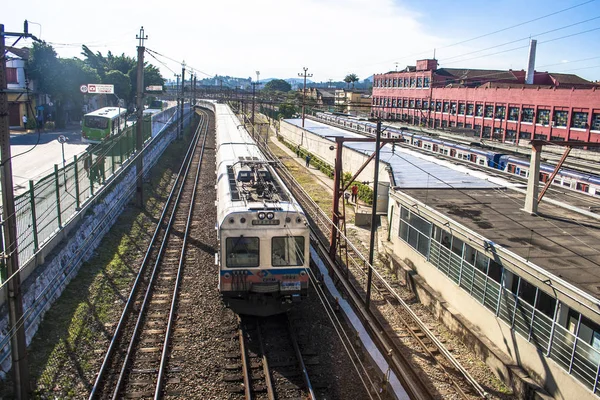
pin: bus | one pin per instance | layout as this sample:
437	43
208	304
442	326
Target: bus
102	123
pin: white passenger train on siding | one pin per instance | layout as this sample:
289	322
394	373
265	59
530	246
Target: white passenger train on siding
263	253
566	178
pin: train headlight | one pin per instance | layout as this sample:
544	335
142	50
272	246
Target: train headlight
298	220
270	215
231	220
261	215
288	219
302	273
243	220
227	275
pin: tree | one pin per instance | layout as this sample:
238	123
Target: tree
277	85
286	110
60	79
43	67
152	77
351	78
121	82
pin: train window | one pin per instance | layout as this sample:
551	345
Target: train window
242	251
287	250
583	187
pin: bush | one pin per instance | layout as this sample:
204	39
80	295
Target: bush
31	124
49	125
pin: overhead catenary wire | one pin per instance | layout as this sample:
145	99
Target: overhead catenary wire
491	33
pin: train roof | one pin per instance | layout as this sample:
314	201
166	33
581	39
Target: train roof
245	178
410	169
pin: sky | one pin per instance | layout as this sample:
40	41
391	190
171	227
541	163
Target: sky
331	38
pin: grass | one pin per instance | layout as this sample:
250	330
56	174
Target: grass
68	349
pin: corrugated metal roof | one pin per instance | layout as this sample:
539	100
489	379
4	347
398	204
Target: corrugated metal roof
411	169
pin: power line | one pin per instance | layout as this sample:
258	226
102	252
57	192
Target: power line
178	62
521	47
490	33
524	38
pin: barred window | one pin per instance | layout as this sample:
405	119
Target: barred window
420	82
596	122
489	111
461	108
579	120
500	112
426	82
543	117
479	110
528	114
561	118
470	109
513	113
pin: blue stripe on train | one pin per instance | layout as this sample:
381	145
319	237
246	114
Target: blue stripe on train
272	271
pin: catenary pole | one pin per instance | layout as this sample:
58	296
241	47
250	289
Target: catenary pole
304	74
18	343
182	98
373	214
139	139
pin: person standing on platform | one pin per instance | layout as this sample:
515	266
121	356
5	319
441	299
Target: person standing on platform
24	121
308	157
354	193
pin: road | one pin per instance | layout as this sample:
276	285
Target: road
32	162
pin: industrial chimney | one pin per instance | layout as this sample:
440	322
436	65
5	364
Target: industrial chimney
531	62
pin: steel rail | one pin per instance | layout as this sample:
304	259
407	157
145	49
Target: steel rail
266	370
404	306
149	288
305	376
245	364
163	360
137	282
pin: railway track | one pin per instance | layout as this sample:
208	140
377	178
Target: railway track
135	364
269	364
406	337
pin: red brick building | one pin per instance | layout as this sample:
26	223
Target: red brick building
490	104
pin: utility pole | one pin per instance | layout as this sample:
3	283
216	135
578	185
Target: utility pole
253	99
304	74
373	213
18	342
182	98
195	83
177	99
139	139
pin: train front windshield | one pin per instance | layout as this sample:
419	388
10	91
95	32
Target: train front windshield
242	252
287	251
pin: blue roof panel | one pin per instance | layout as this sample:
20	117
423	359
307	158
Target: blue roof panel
411	170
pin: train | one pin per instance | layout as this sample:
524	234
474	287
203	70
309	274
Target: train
263	234
566	178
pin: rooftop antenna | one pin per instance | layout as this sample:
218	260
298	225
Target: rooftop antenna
396	66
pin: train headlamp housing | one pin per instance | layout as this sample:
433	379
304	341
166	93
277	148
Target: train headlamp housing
261	215
270	215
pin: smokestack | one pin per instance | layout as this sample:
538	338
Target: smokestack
531	62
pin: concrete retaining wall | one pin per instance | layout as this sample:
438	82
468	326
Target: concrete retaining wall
351	159
58	262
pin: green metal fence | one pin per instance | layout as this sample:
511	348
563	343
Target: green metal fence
53	200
